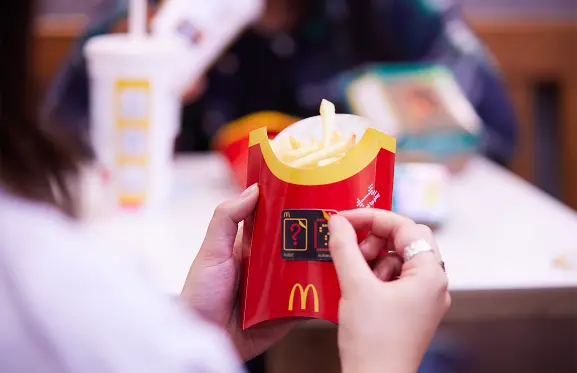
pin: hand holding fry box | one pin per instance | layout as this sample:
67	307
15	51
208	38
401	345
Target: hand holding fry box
311	170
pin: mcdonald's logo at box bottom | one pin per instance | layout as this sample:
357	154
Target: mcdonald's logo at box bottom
304	292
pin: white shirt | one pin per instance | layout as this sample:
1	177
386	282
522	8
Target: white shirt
67	305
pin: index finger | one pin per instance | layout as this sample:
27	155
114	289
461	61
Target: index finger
400	230
381	223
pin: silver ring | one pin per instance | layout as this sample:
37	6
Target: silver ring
415	248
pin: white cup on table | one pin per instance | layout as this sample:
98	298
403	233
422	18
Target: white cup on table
135	116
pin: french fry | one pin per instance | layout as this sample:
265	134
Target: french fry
327	161
294	143
280	146
328	117
331	151
336	137
292	155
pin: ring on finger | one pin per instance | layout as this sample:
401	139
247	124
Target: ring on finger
417	247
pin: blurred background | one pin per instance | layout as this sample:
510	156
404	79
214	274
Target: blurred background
534	43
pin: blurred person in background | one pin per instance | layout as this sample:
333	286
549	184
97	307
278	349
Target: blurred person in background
69	305
293	56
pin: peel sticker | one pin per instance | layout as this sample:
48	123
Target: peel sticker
305	235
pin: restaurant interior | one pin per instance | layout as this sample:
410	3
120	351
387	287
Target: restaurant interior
507	230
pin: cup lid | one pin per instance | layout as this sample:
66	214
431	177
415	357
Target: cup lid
125	45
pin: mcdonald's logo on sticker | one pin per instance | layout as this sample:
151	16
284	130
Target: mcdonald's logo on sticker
304	292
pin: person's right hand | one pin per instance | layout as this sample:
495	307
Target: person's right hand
385	325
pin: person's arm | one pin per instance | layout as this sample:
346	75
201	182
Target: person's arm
83	309
435	31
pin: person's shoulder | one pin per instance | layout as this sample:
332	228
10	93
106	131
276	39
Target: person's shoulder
13	207
23	222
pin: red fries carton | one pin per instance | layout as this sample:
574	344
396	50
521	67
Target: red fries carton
286	264
232	140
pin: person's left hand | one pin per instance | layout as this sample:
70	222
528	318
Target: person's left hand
211	287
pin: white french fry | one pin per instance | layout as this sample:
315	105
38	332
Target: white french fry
281	146
327	161
314	141
293	155
328	115
336	137
294	143
331	151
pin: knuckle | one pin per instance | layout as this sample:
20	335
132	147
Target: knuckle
387	214
221	210
437	280
443	281
405	221
425	231
447	302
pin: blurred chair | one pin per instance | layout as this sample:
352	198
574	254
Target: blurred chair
539	61
55	35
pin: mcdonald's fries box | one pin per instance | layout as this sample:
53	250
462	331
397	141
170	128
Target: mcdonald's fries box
286	264
231	141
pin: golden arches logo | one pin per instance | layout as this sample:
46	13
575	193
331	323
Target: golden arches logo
304	292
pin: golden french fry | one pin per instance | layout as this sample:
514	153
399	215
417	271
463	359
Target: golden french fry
328	117
295	144
331	151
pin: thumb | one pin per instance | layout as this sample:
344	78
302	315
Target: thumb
352	269
223	228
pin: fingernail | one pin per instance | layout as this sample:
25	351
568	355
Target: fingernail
249	191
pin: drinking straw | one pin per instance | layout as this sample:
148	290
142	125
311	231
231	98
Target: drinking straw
137	18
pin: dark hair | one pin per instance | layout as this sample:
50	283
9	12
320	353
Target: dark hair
36	162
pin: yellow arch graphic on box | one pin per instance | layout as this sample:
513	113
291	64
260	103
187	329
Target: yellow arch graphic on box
304	292
352	163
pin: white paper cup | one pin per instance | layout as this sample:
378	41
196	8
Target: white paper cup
135	115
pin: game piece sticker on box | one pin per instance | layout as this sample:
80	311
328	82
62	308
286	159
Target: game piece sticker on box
305	234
